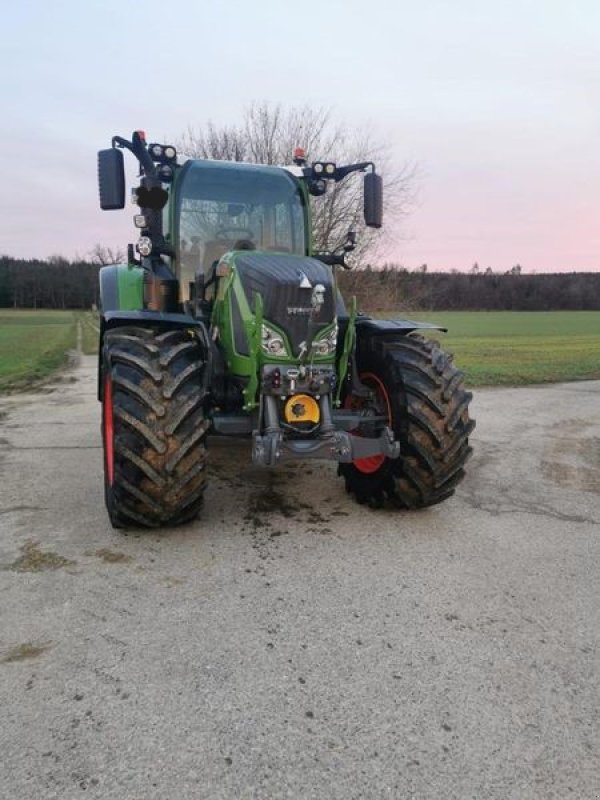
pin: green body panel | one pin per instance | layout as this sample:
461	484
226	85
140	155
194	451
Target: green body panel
131	288
253	332
349	341
121	288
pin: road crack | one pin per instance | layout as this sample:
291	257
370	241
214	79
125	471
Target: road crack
518	508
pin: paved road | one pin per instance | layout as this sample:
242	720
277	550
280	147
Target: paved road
292	644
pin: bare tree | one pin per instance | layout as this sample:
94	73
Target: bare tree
268	134
102	255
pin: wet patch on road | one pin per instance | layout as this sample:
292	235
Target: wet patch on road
35	560
27	650
110	556
573	464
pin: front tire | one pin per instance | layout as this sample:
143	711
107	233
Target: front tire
418	388
153	426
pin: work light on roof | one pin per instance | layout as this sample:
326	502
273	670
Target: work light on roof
324	169
162	152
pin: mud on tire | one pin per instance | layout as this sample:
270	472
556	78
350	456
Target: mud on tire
153	427
425	396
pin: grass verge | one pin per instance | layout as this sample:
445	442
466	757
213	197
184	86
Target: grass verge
90	332
513	348
33	344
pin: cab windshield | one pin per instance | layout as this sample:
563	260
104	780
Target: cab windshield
225	206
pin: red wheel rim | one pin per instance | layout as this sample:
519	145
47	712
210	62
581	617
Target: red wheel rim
109	430
372	463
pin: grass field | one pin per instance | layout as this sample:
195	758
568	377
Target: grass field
491	347
518	347
33	344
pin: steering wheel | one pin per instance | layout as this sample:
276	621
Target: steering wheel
234	233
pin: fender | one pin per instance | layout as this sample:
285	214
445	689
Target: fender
381	327
121	288
117	319
351	330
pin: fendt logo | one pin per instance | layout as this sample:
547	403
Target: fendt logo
295	311
317	299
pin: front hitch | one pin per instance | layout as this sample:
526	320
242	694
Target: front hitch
272	447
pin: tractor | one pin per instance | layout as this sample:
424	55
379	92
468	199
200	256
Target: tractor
226	322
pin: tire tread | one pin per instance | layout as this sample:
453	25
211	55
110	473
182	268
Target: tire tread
430	410
159	426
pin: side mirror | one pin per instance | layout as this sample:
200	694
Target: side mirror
373	200
111	179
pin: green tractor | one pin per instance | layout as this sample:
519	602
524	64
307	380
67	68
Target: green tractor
225	322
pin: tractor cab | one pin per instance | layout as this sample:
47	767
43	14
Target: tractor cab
223	206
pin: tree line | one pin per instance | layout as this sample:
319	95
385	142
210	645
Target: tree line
396	288
62	284
53	283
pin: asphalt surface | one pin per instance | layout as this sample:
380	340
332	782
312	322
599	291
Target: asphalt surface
291	644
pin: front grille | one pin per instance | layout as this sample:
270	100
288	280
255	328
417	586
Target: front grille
277	279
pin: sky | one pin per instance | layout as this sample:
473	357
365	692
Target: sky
497	104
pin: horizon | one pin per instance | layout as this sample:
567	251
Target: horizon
380	267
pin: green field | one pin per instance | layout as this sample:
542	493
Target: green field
492	347
519	347
33	344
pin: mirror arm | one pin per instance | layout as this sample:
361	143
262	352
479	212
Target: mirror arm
138	147
333	259
119	141
340	172
362	166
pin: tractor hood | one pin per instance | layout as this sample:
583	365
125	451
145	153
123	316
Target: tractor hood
298	292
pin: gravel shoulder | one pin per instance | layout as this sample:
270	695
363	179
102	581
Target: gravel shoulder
291	644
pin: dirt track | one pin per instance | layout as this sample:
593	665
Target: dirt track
293	644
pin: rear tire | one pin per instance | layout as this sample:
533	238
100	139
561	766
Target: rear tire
153	426
424	397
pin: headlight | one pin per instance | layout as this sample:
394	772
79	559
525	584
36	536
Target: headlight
144	245
326	344
272	343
